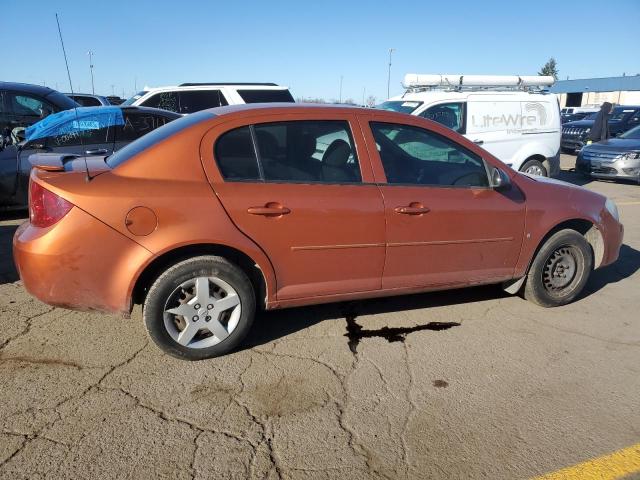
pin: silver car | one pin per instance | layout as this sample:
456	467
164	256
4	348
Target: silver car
616	158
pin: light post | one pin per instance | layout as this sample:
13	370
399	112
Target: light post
90	53
340	99
391	50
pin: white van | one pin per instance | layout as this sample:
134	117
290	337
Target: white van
510	116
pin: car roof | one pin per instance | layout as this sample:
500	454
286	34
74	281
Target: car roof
27	87
216	86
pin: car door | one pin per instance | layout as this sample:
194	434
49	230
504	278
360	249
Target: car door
301	187
445	225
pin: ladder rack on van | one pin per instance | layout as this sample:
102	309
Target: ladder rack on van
415	82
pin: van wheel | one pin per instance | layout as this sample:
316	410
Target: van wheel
534	167
560	270
199	308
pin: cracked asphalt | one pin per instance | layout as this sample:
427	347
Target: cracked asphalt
464	384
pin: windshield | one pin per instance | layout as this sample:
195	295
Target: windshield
633	134
399	106
134	98
619	113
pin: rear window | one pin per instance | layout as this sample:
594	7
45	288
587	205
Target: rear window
265	96
87	101
137	96
156	136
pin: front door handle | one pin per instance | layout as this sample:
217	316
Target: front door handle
412	209
97	151
478	142
271	209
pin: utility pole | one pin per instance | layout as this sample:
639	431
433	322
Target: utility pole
90	53
364	91
340	99
391	50
113	92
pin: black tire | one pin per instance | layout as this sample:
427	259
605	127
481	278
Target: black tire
545	283
164	288
534	164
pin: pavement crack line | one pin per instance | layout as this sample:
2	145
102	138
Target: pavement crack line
39	432
27	328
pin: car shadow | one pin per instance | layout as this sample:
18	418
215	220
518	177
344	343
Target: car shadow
275	324
571	176
8	273
627	264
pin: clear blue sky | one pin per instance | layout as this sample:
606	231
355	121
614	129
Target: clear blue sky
308	45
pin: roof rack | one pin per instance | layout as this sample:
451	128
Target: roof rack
419	82
229	83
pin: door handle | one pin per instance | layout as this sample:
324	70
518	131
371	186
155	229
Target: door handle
269	210
478	142
411	210
96	151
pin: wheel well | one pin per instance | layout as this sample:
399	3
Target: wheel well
541	158
585	228
166	260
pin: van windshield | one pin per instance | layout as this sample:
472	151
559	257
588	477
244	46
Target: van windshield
401	106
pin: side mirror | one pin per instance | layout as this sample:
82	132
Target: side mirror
499	179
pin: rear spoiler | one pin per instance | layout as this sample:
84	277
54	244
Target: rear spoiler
51	162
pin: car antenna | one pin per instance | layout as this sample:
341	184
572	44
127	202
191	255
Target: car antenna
75	109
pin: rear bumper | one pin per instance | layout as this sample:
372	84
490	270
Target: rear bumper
79	263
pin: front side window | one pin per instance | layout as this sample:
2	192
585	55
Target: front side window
28	106
414	156
196	100
451	115
309	151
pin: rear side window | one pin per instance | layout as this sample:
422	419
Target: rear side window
308	151
451	115
196	100
164	100
137	125
265	96
87	101
236	155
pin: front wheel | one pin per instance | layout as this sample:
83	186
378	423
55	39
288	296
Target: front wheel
199	308
534	167
560	270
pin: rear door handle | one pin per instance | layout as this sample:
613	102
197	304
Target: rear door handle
478	142
411	210
97	151
269	210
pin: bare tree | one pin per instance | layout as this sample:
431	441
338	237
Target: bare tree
371	101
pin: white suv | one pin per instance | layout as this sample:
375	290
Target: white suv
512	117
192	97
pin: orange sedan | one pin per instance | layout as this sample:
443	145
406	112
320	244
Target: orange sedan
267	206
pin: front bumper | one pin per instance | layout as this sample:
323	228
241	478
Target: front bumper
612	235
79	263
622	169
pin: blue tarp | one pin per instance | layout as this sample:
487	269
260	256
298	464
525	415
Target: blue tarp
75	120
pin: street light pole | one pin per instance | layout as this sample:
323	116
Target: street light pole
391	50
90	53
340	99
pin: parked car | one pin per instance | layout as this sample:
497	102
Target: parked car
577	112
521	128
232	209
115	100
22	105
572	117
616	158
575	134
88	131
89	100
193	97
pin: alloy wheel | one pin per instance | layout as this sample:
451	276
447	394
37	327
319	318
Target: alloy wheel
202	312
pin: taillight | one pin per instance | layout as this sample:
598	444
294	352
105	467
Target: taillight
45	207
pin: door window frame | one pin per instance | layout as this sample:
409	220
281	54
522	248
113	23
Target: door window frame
414	121
353	131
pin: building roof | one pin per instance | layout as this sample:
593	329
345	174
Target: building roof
607	84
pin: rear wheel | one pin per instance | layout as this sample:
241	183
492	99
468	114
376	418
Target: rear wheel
199	308
560	270
534	167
